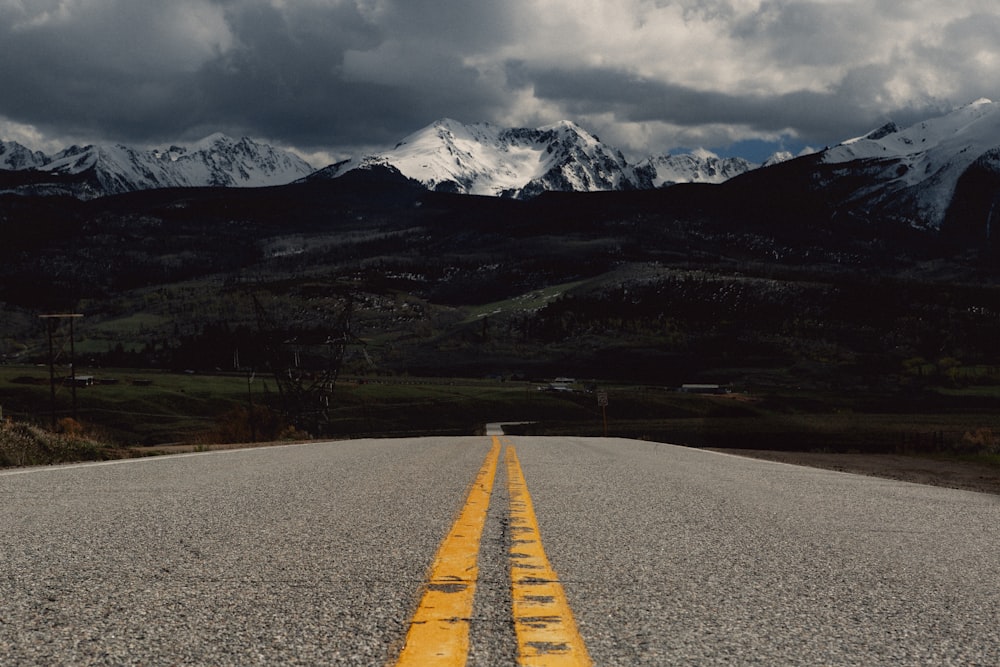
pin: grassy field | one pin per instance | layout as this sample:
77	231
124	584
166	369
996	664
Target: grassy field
125	406
129	408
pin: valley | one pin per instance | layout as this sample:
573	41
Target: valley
838	317
867	339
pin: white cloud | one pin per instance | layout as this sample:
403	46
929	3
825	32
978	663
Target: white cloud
29	136
26	16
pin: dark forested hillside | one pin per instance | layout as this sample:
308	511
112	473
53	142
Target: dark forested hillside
736	282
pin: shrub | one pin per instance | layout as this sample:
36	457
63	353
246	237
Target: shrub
23	444
236	426
70	427
982	441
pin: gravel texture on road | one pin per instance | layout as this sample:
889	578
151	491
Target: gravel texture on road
316	555
309	555
678	556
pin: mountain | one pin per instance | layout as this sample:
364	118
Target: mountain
446	156
93	171
15	156
911	174
941	173
484	159
698	167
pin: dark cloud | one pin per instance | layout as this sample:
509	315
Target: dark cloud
271	70
816	117
114	69
335	74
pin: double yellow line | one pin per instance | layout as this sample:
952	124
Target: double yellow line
547	635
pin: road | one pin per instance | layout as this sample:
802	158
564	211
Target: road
328	553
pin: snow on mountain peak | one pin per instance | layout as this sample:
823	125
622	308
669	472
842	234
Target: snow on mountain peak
923	162
777	158
963	124
485	159
704	154
15	156
216	160
567	126
698	166
211	141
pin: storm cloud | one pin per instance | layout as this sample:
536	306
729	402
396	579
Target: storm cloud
329	77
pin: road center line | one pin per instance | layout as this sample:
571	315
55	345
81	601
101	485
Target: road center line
439	629
547	635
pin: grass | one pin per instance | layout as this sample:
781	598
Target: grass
532	300
143	407
154	408
985	459
460	406
25	444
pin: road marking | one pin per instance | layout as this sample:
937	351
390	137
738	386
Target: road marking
439	630
150	459
547	635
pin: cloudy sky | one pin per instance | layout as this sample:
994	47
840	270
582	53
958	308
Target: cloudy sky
333	77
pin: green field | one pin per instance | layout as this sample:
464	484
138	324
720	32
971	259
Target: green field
126	409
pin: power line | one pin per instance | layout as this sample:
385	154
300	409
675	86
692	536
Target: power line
51	321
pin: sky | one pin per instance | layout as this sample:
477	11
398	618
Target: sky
331	78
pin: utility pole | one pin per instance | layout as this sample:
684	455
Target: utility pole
51	320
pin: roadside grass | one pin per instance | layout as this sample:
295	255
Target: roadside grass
767	423
23	444
141	407
156	408
457	406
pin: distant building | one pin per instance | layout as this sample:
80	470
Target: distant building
562	384
703	389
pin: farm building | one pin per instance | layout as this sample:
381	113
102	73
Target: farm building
703	389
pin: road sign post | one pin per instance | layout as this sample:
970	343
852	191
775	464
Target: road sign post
602	401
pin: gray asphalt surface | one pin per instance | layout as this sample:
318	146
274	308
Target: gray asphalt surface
315	555
308	555
677	556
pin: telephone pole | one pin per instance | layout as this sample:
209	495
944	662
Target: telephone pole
51	320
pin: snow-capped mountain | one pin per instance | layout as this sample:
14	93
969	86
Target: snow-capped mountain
484	159
15	156
911	174
699	166
217	160
479	159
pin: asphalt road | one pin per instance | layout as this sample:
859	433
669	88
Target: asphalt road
317	554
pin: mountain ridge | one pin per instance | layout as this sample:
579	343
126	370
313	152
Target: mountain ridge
97	170
932	174
447	155
485	159
912	173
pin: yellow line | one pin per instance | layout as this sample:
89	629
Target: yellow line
547	635
439	630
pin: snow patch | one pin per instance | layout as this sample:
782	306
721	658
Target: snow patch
484	159
921	164
216	160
